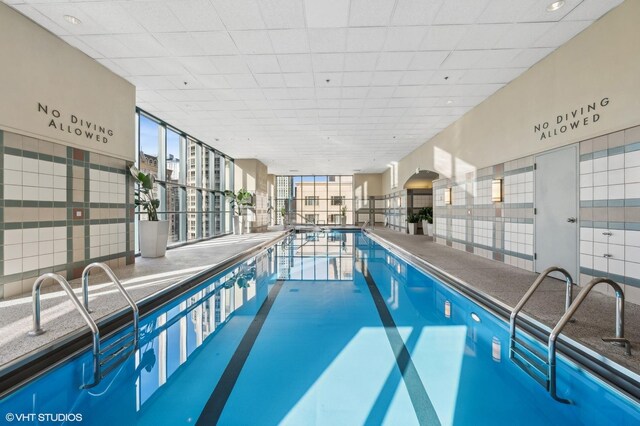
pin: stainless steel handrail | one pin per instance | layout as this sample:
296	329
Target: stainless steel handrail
37	329
529	293
362	228
567	316
116	281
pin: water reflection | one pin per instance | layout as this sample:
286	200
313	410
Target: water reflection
317	256
168	339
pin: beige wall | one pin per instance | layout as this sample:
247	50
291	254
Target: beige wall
365	185
251	174
601	62
39	68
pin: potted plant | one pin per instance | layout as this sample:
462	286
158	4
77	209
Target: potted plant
426	215
283	214
412	220
238	202
343	215
153	233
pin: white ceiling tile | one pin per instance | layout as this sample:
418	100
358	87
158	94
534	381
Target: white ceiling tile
407	92
214	81
460	12
538	11
427	60
386	78
328	93
298	79
252	42
446	77
505	11
415	12
328	79
436	90
229	64
156	17
488	76
560	33
282	13
270	80
196	15
360	61
111	16
113	67
404	38
327	13
483	36
250	94
394	60
354	92
239	14
295	63
366	39
370	13
474	89
215	43
523	35
463	59
151	83
263	63
328	40
55	13
352	103
198	65
357	78
528	57
498	58
289	41
443	37
180	44
328	62
142	44
411	78
589	10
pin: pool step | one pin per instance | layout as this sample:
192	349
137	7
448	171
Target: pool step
532	361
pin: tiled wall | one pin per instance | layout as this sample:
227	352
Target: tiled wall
610	209
499	231
61	209
609	212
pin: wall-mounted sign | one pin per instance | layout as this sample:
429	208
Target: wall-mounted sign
571	120
75	124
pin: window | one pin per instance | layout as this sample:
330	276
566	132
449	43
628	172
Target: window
311	200
311	218
336	200
192	169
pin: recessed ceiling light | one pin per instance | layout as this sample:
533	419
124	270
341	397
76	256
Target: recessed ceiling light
475	317
555	6
449	102
72	20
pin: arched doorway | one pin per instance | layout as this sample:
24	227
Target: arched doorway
419	189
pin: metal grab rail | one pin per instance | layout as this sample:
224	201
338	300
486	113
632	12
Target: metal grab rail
37	330
532	289
567	316
362	228
116	281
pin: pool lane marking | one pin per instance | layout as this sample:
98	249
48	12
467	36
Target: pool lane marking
422	405
215	405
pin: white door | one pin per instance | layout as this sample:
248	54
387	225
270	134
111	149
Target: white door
556	204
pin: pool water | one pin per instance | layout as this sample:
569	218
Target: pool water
322	329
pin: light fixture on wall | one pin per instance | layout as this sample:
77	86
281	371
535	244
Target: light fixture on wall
496	190
72	20
447	195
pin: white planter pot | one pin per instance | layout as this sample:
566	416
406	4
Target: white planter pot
427	228
413	228
237	225
153	237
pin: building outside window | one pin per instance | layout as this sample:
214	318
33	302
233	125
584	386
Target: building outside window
187	183
337	200
311	201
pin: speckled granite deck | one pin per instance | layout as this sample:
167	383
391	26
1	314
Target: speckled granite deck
141	279
595	318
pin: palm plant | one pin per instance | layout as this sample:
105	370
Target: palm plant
144	196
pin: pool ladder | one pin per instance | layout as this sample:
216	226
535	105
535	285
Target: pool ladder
105	359
540	366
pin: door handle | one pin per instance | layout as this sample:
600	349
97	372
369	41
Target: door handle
571	220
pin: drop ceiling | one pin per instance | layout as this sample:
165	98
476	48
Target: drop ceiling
319	86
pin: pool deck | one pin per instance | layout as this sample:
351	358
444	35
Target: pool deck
595	318
141	279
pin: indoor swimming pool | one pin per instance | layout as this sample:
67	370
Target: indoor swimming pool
320	329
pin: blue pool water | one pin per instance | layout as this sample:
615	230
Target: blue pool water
326	329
